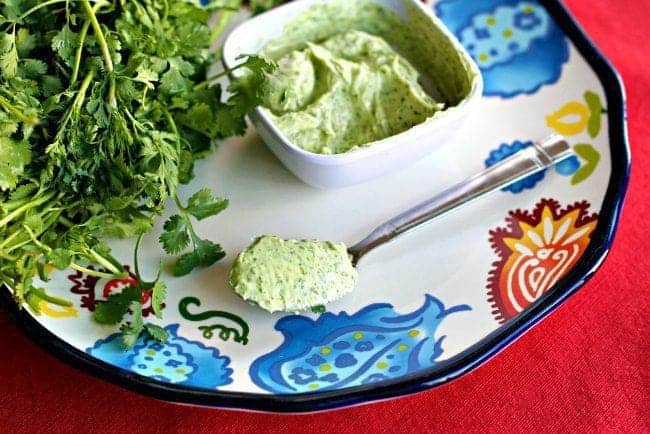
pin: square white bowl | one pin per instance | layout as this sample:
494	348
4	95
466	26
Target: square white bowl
376	158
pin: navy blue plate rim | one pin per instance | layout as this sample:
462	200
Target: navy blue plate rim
477	354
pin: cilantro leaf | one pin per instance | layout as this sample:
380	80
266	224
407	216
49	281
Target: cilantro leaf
147	76
257	66
64	44
12	8
157	333
175	236
208	252
32	68
132	330
230	120
205	253
14	156
202	204
50	85
60	258
115	307
25	42
8	55
173	82
158	294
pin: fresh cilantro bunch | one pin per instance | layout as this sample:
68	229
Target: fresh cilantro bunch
104	109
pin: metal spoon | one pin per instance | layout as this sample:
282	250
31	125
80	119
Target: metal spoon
518	166
524	163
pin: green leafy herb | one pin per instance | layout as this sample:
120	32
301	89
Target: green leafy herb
104	108
318	309
156	332
259	6
205	253
202	204
158	294
115	307
178	233
131	330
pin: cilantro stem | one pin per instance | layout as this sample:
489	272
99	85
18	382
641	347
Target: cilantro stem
90	272
47	222
205	83
65	222
81	94
106	53
77	57
39	6
179	204
6	104
35	240
40	293
224	18
135	258
8	256
165	10
77	103
107	264
172	126
12	215
9	239
15	204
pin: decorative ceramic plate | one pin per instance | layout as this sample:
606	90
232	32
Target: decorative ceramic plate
430	306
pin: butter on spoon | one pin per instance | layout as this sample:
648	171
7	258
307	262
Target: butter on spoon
294	275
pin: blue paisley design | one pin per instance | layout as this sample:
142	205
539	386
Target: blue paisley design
176	361
516	44
566	168
503	152
341	350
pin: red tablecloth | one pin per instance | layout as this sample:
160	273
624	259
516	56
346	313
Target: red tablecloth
586	367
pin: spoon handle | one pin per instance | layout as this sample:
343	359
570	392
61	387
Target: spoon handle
520	165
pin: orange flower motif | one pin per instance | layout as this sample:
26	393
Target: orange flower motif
536	250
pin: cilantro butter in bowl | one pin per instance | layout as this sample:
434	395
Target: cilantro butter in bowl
362	87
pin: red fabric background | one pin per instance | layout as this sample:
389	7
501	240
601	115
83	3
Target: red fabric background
586	367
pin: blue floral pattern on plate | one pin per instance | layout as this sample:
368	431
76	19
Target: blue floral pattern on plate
565	168
341	350
516	44
178	360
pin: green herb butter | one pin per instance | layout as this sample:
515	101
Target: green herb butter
341	84
292	275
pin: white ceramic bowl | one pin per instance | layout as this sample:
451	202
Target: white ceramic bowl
363	163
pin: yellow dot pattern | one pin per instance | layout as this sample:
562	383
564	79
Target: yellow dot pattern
491	21
180	371
402	347
313	386
357	335
325	350
529	9
507	33
483	57
381	365
413	333
158	370
325	368
151	353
